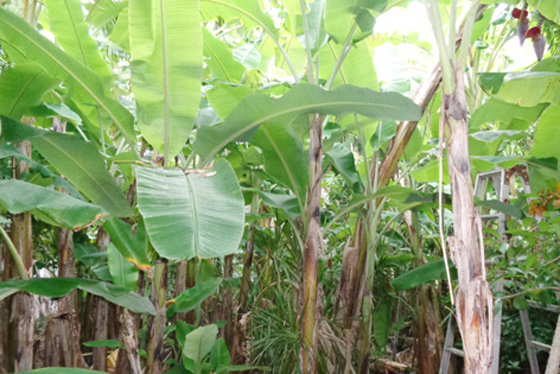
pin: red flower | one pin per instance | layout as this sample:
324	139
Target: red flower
519	14
533	32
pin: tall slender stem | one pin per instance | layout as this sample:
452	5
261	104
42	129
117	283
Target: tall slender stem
465	46
473	298
313	244
452	30
343	53
14	253
445	61
310	77
440	213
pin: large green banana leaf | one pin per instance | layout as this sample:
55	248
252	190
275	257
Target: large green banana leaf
193	214
22	88
548	8
166	48
76	160
526	89
199	343
17	197
7	150
284	159
132	247
72	33
357	68
83	166
58	287
259	109
220	59
123	273
18	35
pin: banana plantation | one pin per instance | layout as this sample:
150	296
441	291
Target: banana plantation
280	186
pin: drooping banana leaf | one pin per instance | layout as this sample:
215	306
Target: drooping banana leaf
220	59
83	166
342	16
132	247
526	89
78	161
259	109
123	273
58	287
284	159
166	48
548	8
17	197
22	88
31	46
72	34
7	150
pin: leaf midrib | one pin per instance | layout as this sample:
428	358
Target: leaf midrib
23	90
165	83
78	40
194	211
219	61
95	5
256	123
121	269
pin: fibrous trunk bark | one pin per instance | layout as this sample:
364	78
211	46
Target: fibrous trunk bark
129	339
429	333
227	311
313	245
237	356
4	310
473	298
100	317
62	335
192	269
553	365
350	290
351	286
127	358
22	319
155	352
22	336
181	284
100	332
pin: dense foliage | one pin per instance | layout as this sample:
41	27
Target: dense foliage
212	186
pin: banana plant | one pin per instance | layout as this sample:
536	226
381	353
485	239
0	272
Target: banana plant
466	248
180	115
